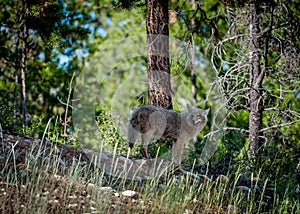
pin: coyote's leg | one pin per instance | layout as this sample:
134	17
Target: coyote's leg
177	150
146	137
132	136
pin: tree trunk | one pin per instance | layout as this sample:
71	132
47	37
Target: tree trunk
16	93
256	78
193	59
159	91
24	63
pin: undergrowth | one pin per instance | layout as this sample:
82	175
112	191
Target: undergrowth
45	185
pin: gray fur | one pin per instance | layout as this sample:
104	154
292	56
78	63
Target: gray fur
154	121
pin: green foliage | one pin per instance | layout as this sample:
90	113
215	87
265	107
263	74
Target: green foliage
54	132
65	36
58	32
8	122
109	133
159	147
127	4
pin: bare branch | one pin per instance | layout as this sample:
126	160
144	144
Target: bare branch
65	104
280	125
237	129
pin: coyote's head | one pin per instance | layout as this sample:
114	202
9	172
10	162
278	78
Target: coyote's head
197	116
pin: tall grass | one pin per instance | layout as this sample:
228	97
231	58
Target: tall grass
46	184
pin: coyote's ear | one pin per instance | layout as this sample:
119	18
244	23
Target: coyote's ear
189	107
207	110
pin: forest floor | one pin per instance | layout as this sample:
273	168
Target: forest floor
39	177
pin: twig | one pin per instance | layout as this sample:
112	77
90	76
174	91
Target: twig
280	125
67	105
236	129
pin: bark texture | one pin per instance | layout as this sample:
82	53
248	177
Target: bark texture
24	37
159	91
256	78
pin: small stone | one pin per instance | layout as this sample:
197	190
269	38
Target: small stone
222	179
91	185
187	211
53	201
57	177
244	188
129	193
27	141
137	178
48	143
106	189
46	193
263	203
72	196
232	209
268	197
10	137
72	205
270	189
61	162
205	177
162	186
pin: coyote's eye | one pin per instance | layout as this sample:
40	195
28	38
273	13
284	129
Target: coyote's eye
198	118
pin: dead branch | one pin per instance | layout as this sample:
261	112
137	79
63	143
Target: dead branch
65	104
280	125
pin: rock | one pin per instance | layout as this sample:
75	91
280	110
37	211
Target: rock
27	141
72	205
137	178
187	211
205	177
58	177
244	188
162	186
124	159
222	179
61	162
232	209
129	193
272	189
91	185
106	189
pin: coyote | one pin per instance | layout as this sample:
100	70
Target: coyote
178	126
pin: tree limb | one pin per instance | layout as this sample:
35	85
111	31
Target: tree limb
280	125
